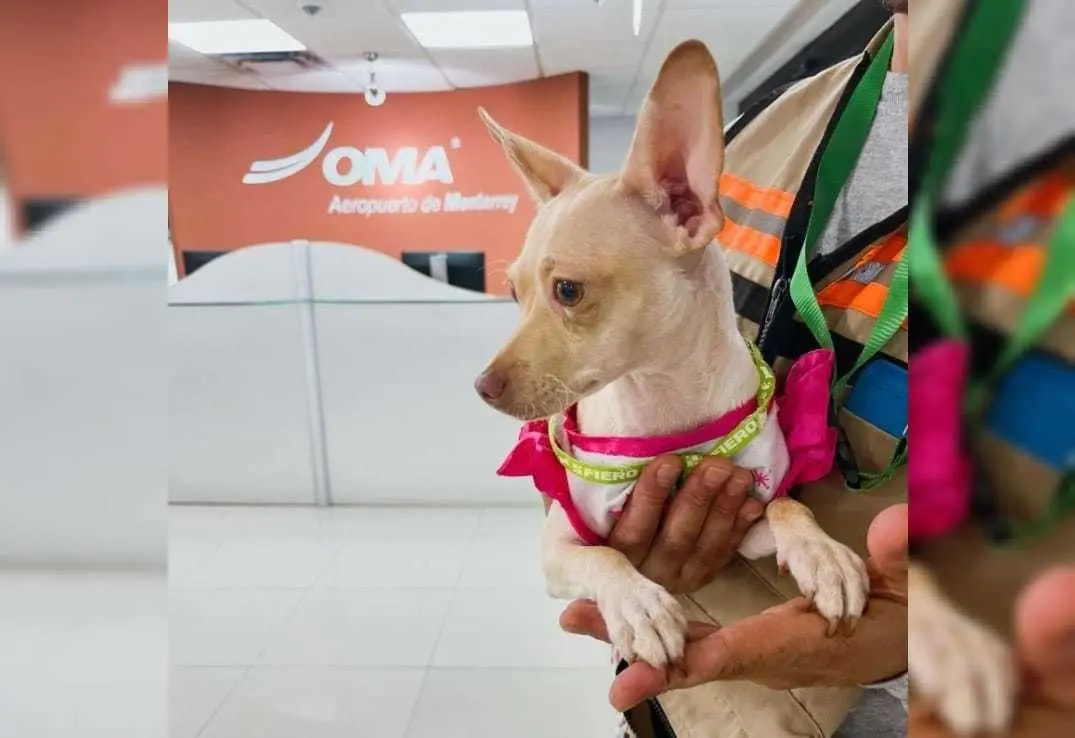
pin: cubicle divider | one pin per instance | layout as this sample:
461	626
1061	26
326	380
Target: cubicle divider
82	427
323	373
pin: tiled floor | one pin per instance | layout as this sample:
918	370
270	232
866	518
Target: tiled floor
83	653
372	623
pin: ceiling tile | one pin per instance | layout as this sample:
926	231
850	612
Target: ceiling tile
322	80
590	38
182	11
219	79
722	5
344	27
730	33
428	6
396	75
466	68
180	57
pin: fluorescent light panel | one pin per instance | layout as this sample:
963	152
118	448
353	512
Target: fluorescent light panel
477	29
233	37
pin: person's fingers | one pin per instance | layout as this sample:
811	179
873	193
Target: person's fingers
678	535
730	515
640	681
1045	633
886	542
634	532
635	684
582	617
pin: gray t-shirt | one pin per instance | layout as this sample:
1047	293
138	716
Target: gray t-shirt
877	187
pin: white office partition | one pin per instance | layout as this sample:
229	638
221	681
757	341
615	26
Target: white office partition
402	420
239	397
321	372
82	395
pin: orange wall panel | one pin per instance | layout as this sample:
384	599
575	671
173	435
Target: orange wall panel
216	134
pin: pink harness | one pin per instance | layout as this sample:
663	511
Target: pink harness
799	448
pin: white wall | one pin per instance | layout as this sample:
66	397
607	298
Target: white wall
610	138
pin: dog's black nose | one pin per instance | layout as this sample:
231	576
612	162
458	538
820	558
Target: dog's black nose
491	385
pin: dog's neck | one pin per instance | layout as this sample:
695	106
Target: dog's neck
703	375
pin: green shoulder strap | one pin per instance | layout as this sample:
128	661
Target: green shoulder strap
837	162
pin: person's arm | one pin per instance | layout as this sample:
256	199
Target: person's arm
786	646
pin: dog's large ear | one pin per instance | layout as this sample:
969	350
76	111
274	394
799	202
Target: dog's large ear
545	172
677	152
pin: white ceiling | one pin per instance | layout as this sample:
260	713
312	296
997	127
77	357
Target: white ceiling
569	35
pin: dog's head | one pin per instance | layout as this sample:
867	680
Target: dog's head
602	276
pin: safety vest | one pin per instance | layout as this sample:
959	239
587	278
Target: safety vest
766	192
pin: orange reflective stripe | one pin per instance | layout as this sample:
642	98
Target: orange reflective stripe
1016	268
752	197
889	250
1045	199
748	241
848	294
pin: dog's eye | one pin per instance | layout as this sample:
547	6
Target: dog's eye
511	290
567	293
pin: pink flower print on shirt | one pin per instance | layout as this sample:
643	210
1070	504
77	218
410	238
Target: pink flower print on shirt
761	479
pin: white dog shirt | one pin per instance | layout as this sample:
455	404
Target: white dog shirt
783	443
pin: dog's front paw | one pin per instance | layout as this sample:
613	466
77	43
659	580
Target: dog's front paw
644	622
831	576
961	667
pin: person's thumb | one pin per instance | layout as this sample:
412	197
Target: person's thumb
1045	633
886	542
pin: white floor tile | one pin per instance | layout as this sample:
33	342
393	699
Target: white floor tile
361	627
262	564
512	628
506	551
398	563
226	627
319	703
93	655
414	523
195	694
520	703
185	555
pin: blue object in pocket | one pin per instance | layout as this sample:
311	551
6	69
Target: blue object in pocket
879	396
1033	409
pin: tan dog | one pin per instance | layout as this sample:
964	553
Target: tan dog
627	311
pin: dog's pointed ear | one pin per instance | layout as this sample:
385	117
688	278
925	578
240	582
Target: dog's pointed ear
545	172
677	152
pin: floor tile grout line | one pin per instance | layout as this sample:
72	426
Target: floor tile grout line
230	693
455	589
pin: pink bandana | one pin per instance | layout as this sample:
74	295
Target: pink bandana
803	417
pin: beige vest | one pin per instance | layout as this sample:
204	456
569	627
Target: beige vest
767	162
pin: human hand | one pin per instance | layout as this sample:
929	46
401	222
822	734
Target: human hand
681	544
1045	647
786	646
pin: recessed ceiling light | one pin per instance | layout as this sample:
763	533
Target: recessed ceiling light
233	37
477	29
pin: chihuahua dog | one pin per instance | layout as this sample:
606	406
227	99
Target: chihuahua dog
628	339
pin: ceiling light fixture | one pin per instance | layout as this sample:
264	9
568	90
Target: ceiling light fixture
233	37
375	96
471	29
636	17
